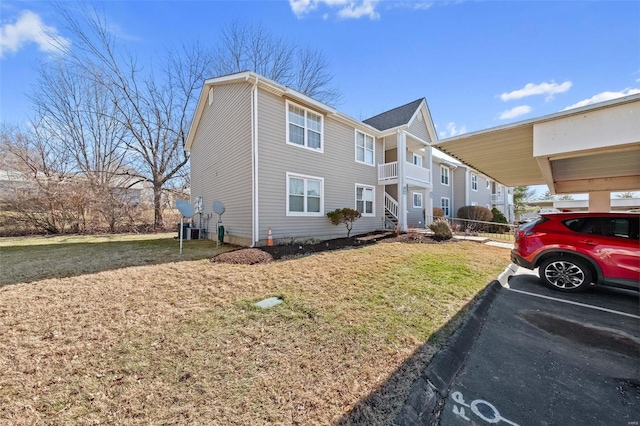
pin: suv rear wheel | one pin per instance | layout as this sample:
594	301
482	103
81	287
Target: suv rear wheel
565	273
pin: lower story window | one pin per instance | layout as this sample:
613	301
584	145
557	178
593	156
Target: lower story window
304	195
417	200
365	200
444	205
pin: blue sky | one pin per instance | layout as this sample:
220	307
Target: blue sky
479	64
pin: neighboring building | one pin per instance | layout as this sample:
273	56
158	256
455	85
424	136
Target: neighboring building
443	186
280	160
458	185
617	204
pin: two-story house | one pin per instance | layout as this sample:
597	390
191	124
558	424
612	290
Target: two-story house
281	160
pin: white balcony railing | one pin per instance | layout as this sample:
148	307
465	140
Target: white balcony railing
391	205
497	198
388	173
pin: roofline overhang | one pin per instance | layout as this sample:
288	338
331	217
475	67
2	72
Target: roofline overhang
544	118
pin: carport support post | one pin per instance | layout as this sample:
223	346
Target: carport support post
600	201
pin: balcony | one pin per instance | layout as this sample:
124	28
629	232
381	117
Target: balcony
499	198
415	175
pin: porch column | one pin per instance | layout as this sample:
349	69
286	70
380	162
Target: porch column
600	201
402	182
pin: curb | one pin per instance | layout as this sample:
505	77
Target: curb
426	394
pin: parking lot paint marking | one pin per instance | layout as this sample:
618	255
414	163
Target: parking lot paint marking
575	303
481	408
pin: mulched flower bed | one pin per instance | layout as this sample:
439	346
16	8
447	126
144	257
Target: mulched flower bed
250	256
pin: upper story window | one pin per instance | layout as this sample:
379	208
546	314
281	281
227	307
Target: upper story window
365	200
488	184
304	195
474	182
444	175
304	127
417	159
365	151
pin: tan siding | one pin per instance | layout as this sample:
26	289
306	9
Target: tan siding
336	165
221	159
440	190
461	181
419	129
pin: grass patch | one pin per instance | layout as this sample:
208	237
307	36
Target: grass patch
182	343
28	259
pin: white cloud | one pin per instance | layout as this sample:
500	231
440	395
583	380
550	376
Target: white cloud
356	11
346	9
29	28
415	5
451	130
531	89
302	7
515	112
602	97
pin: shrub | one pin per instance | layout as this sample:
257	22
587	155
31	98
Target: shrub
346	216
441	230
438	212
480	213
498	216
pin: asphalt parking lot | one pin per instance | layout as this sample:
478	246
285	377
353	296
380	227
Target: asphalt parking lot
544	357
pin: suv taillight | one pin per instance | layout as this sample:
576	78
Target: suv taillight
528	229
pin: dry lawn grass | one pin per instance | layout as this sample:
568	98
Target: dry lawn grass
182	343
26	259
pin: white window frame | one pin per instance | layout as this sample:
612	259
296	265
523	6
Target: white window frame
415	206
306	140
419	158
447	210
488	184
474	182
373	151
445	172
305	178
373	200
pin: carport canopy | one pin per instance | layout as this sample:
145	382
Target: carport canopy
592	149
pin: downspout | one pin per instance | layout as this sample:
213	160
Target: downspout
453	191
255	232
467	184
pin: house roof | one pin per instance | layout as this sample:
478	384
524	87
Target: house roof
395	117
592	148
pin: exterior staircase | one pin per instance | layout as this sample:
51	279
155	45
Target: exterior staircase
390	212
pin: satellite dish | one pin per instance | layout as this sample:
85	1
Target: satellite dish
218	207
186	209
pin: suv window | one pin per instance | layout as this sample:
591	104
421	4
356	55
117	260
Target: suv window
608	226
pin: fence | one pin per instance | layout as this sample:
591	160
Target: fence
492	230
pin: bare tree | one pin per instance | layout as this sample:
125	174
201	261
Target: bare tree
43	193
79	114
246	47
153	106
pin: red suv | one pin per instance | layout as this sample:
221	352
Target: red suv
575	250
